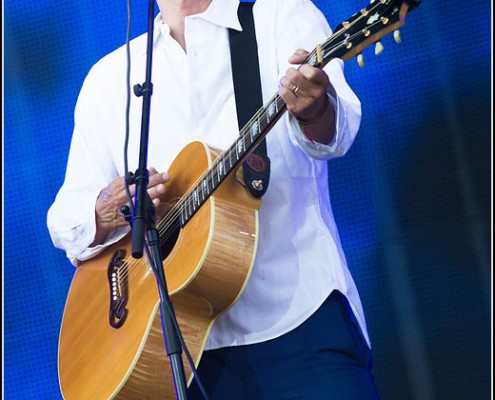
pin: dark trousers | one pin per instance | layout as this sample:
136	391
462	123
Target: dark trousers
324	358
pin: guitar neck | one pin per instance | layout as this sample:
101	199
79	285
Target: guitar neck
249	137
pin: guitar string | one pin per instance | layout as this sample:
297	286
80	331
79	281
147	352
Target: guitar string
172	219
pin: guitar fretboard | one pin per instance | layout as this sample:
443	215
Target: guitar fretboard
249	137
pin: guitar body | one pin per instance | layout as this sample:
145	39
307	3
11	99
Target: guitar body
206	268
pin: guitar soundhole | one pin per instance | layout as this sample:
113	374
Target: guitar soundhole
118	283
168	242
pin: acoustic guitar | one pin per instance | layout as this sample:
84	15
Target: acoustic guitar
111	342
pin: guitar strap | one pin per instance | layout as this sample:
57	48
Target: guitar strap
248	96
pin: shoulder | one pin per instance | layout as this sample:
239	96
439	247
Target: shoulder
106	80
113	66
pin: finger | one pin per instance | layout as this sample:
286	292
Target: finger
288	84
116	191
294	76
315	76
299	56
154	177
158	191
313	84
158	179
287	94
307	77
161	189
294	82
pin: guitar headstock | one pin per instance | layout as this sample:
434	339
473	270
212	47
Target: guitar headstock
364	28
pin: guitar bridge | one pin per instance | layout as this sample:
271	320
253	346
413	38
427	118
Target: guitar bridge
118	283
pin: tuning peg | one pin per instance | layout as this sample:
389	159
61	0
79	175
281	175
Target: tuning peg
378	48
360	60
397	37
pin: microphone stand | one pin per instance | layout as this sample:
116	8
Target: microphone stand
143	217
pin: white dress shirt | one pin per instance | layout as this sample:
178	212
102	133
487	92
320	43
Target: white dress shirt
299	260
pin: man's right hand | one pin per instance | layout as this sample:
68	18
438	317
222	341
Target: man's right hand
108	203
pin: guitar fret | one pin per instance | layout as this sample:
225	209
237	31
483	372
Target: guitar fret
231	153
196	197
220	170
216	178
254	130
186	218
213	183
189	209
205	189
182	218
264	123
246	136
240	147
208	181
271	110
229	156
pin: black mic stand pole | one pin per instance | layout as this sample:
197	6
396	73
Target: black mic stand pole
143	215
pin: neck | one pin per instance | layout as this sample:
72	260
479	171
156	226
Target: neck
174	13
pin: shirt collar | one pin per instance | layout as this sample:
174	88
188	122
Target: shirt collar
219	12
222	13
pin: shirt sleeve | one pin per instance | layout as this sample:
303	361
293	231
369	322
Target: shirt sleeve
71	218
302	25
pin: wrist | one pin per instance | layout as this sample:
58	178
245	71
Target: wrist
303	122
320	129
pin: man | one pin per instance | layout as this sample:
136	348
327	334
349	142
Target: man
298	329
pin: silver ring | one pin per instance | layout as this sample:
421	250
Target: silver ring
294	89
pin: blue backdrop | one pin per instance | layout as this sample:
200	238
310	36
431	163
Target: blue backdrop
412	197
